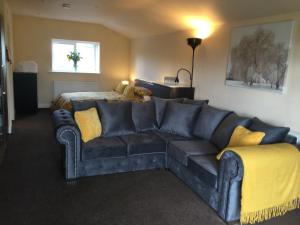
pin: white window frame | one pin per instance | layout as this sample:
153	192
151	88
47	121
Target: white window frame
74	42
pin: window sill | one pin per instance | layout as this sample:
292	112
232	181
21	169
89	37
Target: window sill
75	73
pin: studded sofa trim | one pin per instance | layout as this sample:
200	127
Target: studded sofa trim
225	199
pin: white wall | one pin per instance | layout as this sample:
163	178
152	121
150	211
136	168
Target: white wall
32	41
159	56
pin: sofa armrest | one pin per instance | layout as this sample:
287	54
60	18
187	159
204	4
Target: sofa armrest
68	134
231	172
291	139
62	117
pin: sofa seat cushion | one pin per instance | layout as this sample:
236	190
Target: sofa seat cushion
143	143
181	150
167	137
205	168
103	147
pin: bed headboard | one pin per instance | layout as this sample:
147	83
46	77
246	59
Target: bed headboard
73	86
166	91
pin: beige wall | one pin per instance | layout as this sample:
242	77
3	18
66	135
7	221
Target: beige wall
32	41
155	57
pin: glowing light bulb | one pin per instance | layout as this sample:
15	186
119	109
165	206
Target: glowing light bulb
203	31
202	28
125	82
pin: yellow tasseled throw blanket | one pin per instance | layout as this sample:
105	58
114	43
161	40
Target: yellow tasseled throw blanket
271	182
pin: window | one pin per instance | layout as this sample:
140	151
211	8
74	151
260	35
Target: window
89	51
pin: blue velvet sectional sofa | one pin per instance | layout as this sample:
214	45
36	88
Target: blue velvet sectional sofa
181	135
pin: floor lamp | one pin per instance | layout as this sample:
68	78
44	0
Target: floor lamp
194	43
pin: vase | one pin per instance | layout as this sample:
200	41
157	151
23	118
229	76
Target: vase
75	66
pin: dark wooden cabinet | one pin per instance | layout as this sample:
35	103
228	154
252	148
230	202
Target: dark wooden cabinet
167	91
25	93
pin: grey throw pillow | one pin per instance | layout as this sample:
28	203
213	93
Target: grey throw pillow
195	102
83	105
273	134
208	120
180	118
160	107
223	133
116	118
143	116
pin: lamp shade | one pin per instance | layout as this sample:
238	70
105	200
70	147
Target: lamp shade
194	42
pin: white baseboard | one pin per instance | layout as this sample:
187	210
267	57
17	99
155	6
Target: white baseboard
44	105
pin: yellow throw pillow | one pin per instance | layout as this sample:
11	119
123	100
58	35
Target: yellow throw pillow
120	88
89	124
241	136
129	92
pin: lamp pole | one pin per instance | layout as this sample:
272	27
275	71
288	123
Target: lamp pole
193	67
193	42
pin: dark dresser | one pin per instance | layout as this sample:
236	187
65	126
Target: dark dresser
25	93
166	91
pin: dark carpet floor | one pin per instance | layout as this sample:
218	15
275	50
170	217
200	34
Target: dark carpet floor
33	191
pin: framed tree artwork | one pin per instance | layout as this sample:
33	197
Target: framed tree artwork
258	56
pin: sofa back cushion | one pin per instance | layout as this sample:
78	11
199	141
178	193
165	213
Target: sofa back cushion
179	118
208	120
160	107
195	102
143	116
273	134
83	105
222	134
291	139
116	118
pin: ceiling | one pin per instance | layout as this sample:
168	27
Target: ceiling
140	18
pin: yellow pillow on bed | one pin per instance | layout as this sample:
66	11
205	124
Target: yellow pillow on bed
241	136
129	92
141	91
120	88
89	124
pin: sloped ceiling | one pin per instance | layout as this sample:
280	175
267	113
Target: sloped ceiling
140	18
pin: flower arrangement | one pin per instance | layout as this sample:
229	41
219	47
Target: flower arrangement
75	57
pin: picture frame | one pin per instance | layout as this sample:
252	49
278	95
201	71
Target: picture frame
259	55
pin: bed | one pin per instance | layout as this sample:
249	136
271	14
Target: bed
63	101
132	93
